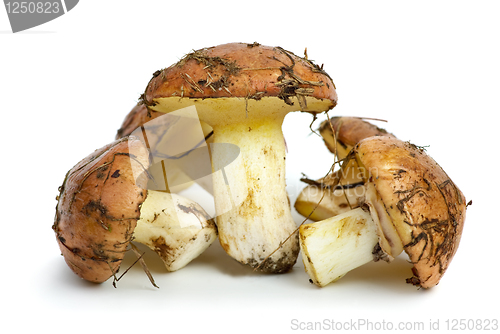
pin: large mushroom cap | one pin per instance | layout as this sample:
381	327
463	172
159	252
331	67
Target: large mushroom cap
98	208
243	73
425	206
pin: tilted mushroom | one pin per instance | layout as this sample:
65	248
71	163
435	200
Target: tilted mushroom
244	91
409	204
337	192
104	204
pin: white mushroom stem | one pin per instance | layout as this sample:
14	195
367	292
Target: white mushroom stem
176	228
253	212
337	245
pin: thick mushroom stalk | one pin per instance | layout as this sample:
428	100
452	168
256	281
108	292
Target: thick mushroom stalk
244	91
413	204
337	245
254	214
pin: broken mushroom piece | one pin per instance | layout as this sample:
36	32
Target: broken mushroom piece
244	91
103	202
413	206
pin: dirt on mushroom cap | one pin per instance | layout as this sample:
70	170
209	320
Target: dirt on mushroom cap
348	132
426	207
250	71
98	207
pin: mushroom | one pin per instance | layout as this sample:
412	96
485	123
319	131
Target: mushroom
244	91
409	204
103	205
338	192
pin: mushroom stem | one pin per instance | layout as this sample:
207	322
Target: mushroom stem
337	245
253	212
176	228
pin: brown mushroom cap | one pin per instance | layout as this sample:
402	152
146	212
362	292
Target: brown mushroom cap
348	132
353	129
247	72
98	207
426	208
139	115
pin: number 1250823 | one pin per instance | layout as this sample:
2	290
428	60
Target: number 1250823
32	7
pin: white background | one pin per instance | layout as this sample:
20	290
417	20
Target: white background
430	68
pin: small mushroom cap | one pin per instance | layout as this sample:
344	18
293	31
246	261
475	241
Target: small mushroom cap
426	208
98	207
245	73
348	132
351	130
139	115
